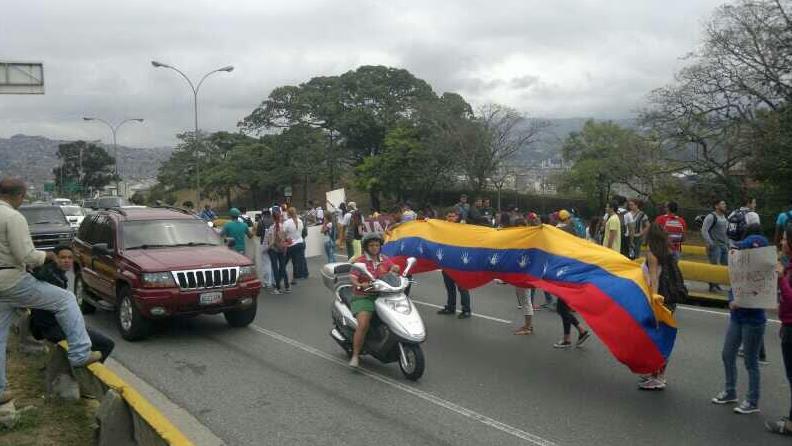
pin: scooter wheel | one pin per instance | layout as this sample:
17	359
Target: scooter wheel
413	363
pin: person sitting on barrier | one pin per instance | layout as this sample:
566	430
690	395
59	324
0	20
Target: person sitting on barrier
377	264
43	324
18	289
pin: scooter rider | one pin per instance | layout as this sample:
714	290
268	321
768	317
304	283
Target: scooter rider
363	303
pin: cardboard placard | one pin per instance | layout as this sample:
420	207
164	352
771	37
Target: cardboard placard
753	278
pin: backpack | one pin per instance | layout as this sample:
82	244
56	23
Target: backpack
675	230
714	222
737	227
578	227
672	284
276	240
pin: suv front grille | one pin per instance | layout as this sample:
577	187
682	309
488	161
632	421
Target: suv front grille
201	279
49	241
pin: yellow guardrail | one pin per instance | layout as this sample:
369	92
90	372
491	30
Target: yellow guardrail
138	404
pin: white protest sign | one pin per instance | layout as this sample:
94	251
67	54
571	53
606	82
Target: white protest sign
335	198
753	277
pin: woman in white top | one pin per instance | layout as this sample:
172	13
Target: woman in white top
293	228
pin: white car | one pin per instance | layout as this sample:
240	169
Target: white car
61	202
74	214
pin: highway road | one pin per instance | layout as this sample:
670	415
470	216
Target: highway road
283	380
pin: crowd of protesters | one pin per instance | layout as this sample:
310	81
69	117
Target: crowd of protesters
624	227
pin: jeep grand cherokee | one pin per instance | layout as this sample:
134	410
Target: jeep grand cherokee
152	263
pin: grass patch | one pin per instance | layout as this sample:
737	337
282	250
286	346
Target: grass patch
51	421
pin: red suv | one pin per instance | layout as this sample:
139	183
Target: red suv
154	263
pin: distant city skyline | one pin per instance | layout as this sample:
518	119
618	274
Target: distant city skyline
559	59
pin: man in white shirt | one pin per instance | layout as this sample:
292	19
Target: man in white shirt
19	289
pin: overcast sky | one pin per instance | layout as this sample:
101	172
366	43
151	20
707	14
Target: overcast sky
548	58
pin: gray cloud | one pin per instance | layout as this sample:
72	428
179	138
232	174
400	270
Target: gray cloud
565	58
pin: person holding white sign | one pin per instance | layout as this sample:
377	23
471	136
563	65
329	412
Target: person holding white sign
746	327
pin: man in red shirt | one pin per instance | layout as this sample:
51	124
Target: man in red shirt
675	226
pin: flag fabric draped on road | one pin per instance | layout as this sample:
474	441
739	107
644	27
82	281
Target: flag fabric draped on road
607	289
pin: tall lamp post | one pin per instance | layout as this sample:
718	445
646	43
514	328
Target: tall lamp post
114	129
195	89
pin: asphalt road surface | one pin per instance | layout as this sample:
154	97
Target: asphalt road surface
283	380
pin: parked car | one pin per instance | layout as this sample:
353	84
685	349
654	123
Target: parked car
155	263
48	226
75	215
61	202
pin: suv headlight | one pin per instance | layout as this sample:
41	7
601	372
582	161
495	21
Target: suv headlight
247	272
401	306
158	280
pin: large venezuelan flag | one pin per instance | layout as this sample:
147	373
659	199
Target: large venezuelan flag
608	290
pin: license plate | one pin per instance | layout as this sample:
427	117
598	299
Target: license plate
211	298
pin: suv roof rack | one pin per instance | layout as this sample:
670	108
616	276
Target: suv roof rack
175	208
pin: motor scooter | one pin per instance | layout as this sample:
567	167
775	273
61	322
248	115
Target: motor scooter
396	331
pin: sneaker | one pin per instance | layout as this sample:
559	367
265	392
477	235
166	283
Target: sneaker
519	306
740	352
276	291
643	378
745	408
464	315
287	291
6	397
582	338
562	344
652	384
764	362
724	398
782	426
537	307
354	362
446	311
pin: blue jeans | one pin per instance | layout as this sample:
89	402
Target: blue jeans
718	255
31	293
330	249
451	290
750	336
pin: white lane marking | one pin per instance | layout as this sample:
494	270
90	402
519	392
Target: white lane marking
483	316
719	313
468	413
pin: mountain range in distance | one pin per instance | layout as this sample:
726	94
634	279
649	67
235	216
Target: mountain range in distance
34	157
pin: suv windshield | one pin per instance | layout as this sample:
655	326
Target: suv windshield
44	216
72	211
144	234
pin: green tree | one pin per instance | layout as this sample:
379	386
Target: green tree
83	164
605	154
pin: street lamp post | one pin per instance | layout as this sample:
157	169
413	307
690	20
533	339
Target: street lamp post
113	129
195	88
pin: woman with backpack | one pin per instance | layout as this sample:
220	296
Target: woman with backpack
277	244
664	277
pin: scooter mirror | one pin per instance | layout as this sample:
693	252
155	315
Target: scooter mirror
362	268
410	263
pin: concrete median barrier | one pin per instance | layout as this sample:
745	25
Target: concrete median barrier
124	416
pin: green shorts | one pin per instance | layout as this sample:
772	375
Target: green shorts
362	303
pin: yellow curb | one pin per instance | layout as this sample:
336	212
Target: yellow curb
166	430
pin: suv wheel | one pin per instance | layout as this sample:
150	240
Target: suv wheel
242	318
80	292
132	325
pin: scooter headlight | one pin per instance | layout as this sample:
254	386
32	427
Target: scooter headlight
400	306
